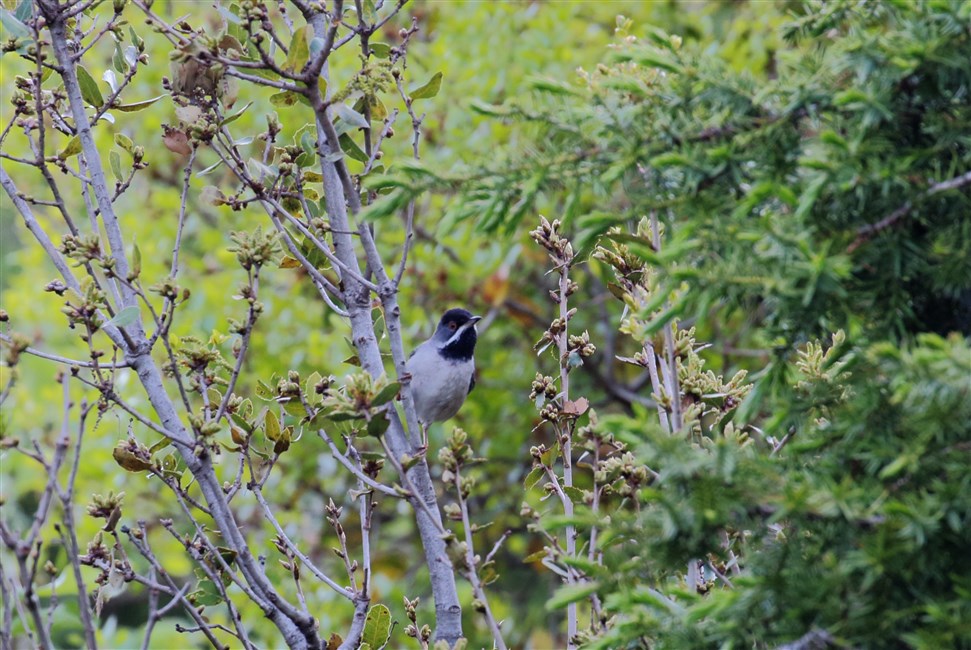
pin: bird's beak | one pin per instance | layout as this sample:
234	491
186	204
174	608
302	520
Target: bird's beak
475	319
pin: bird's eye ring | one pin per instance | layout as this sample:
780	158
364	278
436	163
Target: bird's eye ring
452	325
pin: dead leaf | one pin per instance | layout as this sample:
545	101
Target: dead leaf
176	141
576	408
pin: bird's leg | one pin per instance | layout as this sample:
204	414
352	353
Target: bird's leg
424	436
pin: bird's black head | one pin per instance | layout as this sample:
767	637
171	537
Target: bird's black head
456	335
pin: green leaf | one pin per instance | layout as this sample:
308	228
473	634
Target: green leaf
299	52
207	594
235	116
210	169
72	148
534	477
381	50
124	142
125	317
24	11
272	426
428	90
377	627
89	87
12	26
136	106
351	149
377	426
571	594
136	257
386	394
285	98
350	116
114	160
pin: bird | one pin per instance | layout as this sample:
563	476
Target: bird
442	368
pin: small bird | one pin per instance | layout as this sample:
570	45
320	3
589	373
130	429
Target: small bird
442	368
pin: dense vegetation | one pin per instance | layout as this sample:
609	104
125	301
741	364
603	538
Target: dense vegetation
747	424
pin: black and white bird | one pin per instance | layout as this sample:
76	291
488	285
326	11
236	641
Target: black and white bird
443	369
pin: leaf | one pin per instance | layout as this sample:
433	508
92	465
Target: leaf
72	148
377	426
272	426
118	61
579	407
12	25
109	78
428	90
290	262
380	50
571	594
377	626
136	106
228	15
188	114
210	169
299	52
125	317
89	87
207	594
114	160
386	394
350	116
334	642
285	98
176	141
534	477
212	195
128	459
235	116
24	11
124	142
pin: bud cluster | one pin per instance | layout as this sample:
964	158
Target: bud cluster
559	248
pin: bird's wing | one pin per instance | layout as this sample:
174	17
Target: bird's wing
472	380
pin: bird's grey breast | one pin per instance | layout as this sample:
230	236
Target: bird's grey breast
439	386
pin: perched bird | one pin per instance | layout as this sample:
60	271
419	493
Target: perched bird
442	368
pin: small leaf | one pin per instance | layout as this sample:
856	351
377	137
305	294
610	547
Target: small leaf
571	594
283	99
12	25
386	394
290	262
176	141
136	259
124	142
381	50
578	407
428	90
125	317
377	426
114	160
131	456
534	477
377	627
235	116
89	87
136	106
110	79
350	116
272	426
208	170
299	51
72	148
228	15
212	195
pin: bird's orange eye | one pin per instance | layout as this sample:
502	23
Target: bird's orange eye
452	325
